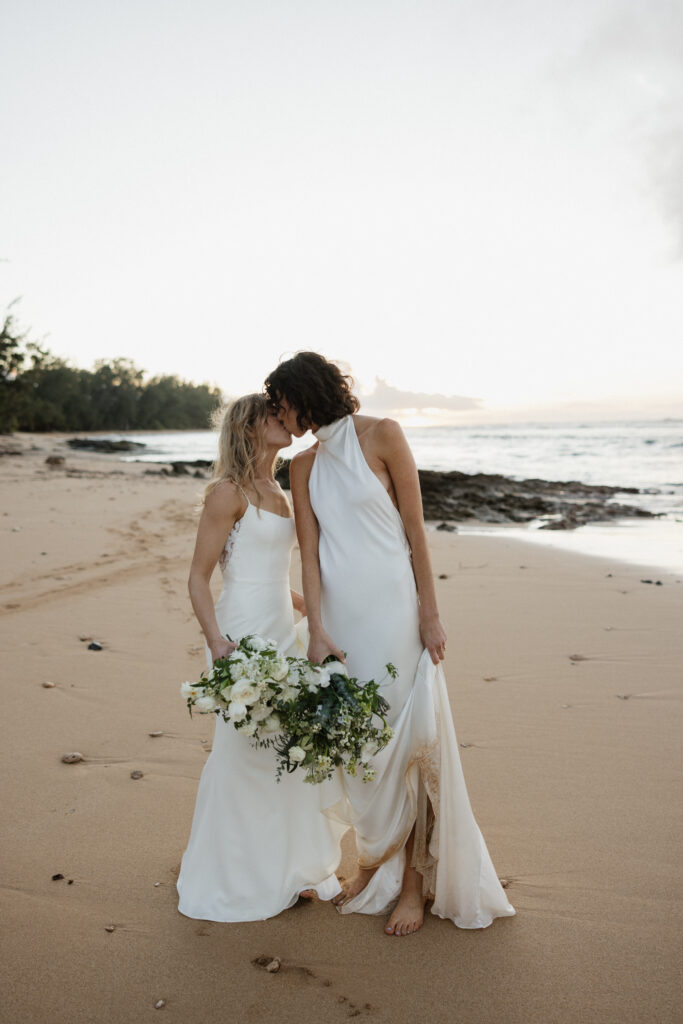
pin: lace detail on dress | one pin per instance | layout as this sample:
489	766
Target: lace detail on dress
225	554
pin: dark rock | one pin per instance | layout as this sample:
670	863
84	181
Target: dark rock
57	877
55	460
180	469
94	646
137	774
493	498
449	527
101	444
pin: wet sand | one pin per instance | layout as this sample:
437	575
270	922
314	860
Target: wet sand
565	678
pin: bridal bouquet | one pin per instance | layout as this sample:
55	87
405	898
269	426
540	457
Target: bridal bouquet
316	717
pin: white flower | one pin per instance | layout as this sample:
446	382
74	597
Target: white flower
191	690
206	704
210	676
296	754
237	711
256	643
324	678
271	724
293	676
237	671
259	712
245	692
289	692
226	692
279	668
336	668
247	728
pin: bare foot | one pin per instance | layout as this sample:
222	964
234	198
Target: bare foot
307	894
408	915
352	886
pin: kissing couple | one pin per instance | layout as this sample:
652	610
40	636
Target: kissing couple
368	598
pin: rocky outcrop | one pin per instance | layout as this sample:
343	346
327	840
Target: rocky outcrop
101	444
492	498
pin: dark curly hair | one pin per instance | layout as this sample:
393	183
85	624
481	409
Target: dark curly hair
316	388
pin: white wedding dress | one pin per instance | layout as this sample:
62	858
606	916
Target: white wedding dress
370	610
255	844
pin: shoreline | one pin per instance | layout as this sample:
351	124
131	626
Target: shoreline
563	673
654	544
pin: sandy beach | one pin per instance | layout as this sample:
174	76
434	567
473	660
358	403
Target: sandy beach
565	677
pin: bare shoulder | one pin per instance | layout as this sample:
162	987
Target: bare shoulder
384	434
225	501
302	463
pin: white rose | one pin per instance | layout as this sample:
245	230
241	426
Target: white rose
337	668
210	675
237	671
324	678
237	711
206	704
289	692
226	692
245	692
259	712
293	676
247	728
271	724
296	754
256	643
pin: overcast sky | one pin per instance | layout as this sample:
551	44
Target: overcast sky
477	206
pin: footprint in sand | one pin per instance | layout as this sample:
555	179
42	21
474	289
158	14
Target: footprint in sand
274	965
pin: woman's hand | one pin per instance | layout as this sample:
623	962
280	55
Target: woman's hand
321	646
298	603
221	648
433	637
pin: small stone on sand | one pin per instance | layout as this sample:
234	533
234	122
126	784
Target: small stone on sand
160	1003
57	877
72	758
48	685
109	927
504	882
94	646
158	733
274	966
137	774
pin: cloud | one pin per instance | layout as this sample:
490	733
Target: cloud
633	59
384	398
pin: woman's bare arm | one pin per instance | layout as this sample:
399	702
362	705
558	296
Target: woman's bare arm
223	507
308	533
392	448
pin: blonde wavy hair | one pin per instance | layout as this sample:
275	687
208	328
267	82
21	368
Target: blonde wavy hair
239	426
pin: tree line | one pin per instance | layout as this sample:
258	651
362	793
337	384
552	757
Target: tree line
40	391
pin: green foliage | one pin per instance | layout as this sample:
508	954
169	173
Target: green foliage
40	392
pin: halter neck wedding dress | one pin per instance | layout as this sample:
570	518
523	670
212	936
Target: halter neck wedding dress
370	609
255	844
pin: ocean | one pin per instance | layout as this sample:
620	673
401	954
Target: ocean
643	454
